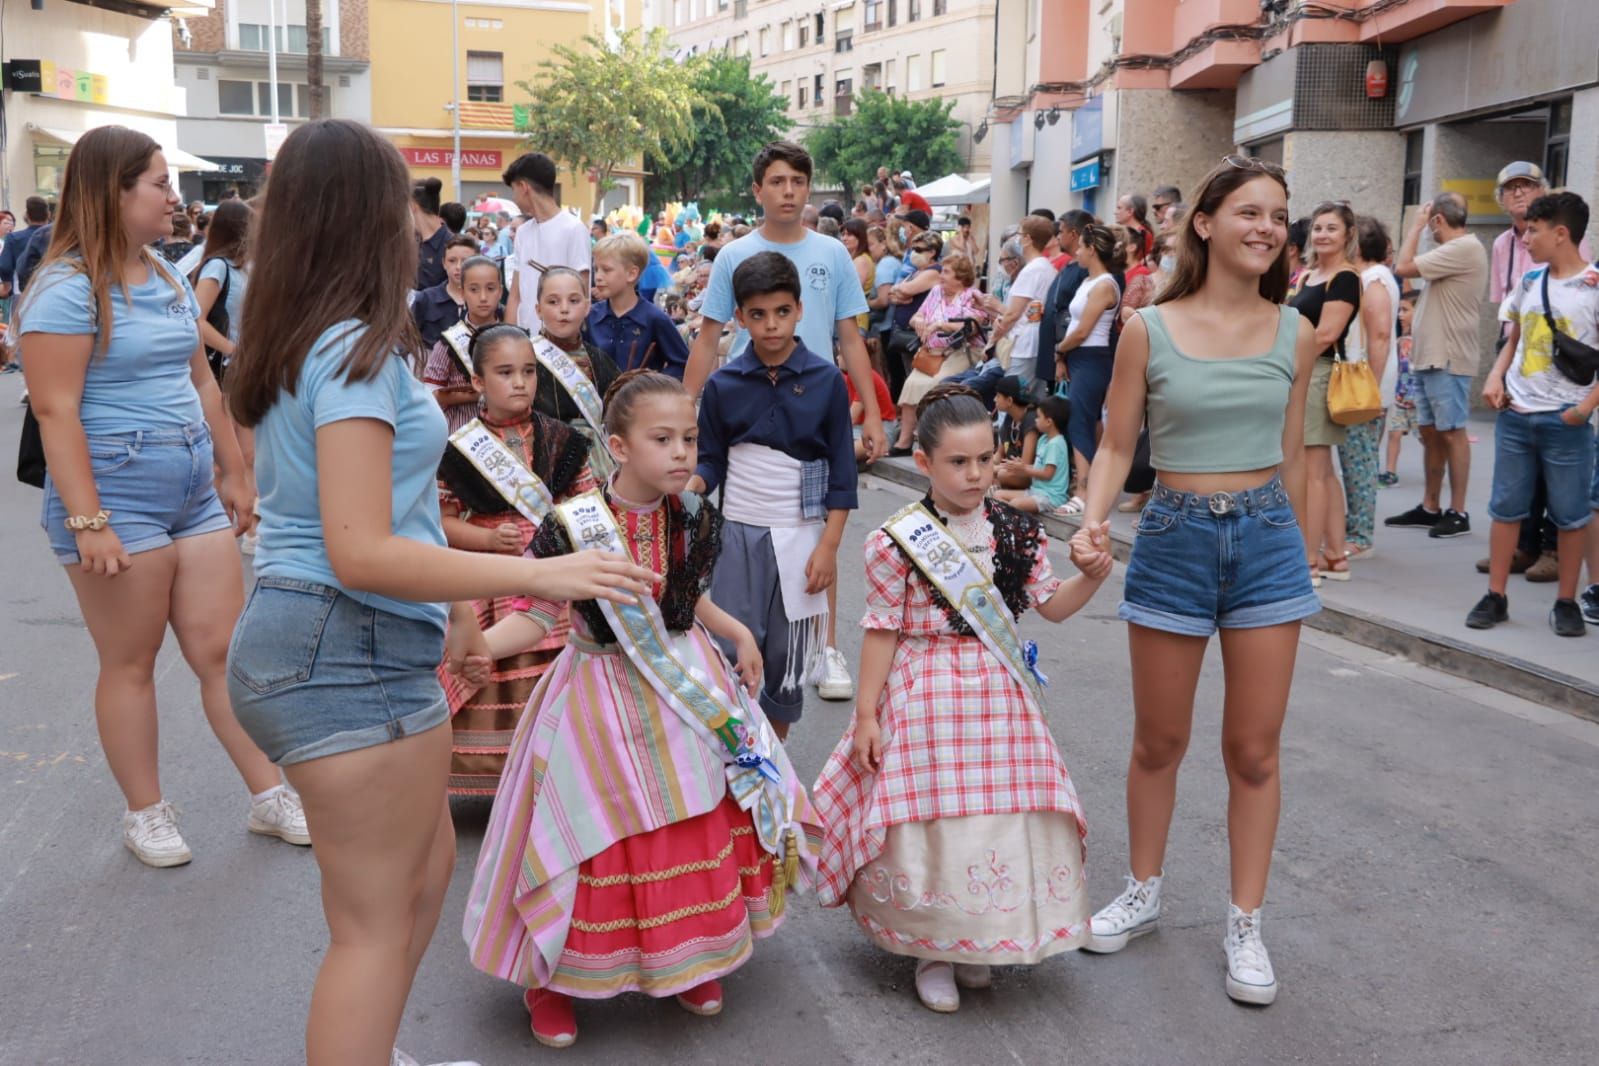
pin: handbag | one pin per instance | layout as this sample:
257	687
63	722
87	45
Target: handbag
218	318
929	362
30	451
1576	361
903	343
1353	395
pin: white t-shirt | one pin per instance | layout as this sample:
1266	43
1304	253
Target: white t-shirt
561	241
1099	336
1356	349
1032	284
1533	382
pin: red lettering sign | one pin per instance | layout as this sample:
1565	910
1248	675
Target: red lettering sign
471	158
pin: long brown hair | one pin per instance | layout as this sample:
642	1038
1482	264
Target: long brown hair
88	236
228	235
1193	254
307	276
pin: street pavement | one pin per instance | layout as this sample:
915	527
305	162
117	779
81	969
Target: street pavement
1431	900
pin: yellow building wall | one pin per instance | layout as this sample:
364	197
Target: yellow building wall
411	72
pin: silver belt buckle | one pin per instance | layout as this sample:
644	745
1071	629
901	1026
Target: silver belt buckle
1222	503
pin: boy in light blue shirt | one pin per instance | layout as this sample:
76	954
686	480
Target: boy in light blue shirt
1051	469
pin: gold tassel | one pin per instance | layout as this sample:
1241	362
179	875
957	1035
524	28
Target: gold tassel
785	872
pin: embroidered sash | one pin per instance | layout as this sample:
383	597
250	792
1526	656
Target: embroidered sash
504	469
723	720
587	398
945	562
458	338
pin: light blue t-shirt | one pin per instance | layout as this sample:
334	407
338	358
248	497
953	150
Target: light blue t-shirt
1052	451
141	378
832	289
216	268
887	273
292	543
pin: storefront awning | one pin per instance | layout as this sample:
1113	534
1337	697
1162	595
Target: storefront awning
177	158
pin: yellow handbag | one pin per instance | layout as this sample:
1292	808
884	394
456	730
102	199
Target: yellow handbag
1353	397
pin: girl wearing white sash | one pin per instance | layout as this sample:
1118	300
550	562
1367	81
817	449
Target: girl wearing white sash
483	512
629	848
448	371
953	831
563	308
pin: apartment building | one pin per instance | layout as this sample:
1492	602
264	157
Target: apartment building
222	63
820	53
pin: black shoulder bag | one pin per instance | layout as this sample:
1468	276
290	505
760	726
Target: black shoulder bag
218	318
1573	359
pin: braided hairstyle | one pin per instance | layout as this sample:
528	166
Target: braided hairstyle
628	390
486	339
946	406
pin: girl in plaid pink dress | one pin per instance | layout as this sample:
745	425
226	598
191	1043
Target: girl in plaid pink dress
952	830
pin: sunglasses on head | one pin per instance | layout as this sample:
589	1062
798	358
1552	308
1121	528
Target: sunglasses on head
1249	162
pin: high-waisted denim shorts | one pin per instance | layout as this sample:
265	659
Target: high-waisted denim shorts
313	672
157	484
1229	561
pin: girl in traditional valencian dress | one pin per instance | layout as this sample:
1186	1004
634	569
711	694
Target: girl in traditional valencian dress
648	825
952	828
448	370
500	476
563	308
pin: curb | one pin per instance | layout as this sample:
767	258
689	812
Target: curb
1518	677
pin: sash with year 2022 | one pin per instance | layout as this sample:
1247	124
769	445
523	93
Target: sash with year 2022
458	339
570	377
736	731
945	562
504	469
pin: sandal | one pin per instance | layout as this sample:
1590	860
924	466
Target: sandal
1072	507
1315	576
1337	570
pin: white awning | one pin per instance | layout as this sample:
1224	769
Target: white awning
177	158
954	189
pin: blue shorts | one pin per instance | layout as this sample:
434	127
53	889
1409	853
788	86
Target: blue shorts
1524	445
312	672
1443	400
1593	491
1195	570
157	484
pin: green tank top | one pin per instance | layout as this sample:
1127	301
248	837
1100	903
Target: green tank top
1210	416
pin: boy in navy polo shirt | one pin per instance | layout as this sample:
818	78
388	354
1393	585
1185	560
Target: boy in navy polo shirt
635	334
775	430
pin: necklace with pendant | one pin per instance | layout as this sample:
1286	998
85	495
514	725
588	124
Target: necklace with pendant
514	442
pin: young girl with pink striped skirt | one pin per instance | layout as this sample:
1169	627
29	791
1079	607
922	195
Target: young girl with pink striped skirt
648	825
952	829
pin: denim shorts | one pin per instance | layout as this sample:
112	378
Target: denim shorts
313	672
157	484
1524	445
1229	561
1443	400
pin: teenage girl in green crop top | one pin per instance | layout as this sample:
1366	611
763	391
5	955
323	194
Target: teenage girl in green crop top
1221	370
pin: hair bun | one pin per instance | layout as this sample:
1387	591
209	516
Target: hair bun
945	391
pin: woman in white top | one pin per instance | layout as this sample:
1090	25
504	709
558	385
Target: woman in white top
1377	342
1084	356
1024	307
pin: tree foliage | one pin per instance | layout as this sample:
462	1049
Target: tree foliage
888	131
604	106
735	115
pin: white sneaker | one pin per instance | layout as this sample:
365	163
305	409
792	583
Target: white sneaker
1249	974
280	815
1133	913
152	835
400	1058
935	986
836	684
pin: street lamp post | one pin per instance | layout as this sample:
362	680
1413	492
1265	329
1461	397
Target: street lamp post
455	98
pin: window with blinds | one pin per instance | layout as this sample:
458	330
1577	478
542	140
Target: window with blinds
485	77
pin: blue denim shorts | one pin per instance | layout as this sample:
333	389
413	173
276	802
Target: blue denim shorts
312	672
1443	400
1225	561
1593	490
157	484
1524	445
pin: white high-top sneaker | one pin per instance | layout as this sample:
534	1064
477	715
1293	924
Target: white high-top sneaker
1133	913
152	835
1250	978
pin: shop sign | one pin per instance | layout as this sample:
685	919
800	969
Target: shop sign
1481	195
471	159
84	86
1086	175
1088	128
23	76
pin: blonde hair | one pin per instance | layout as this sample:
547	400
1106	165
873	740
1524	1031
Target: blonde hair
628	249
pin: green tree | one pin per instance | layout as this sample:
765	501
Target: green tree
737	113
888	131
603	106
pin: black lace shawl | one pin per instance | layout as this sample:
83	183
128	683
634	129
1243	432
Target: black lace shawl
550	397
694	531
559	452
1016	539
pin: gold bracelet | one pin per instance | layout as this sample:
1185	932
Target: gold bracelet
79	523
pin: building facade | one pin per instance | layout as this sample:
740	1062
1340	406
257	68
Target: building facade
820	54
73	66
223	67
502	42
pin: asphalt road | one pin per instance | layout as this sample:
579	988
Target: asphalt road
1431	901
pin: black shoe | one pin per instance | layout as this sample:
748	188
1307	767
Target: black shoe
1590	604
898	452
1451	524
1418	517
1489	612
1565	618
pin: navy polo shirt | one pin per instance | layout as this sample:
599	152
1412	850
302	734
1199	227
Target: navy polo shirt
430	259
435	311
645	336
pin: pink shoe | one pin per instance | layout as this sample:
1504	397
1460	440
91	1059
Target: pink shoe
553	1023
703	999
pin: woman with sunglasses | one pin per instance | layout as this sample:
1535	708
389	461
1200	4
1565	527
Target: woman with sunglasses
1218	546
